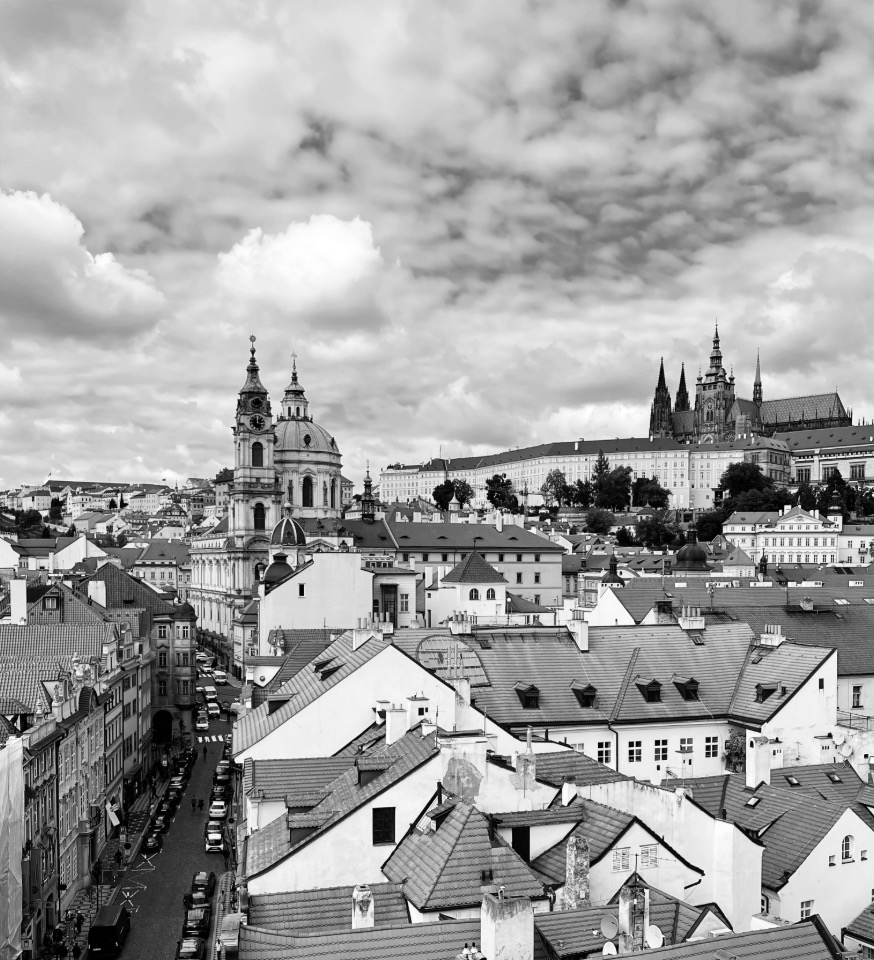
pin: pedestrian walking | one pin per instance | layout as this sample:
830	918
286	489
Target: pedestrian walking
193	803
76	951
117	857
200	804
80	917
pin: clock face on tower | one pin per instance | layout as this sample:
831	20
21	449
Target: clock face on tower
256	422
709	404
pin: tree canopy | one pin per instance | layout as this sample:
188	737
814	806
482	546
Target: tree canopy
742	477
444	492
646	491
555	487
614	491
499	493
599	521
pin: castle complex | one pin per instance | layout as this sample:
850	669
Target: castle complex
720	416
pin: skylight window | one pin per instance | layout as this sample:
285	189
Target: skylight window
793	781
842	601
753	802
834	778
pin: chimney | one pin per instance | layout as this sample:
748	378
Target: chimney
691	619
576	885
18	601
382	708
579	630
806	603
773	635
568	791
758	762
362	907
361	633
499	522
626	927
97	591
419	709
396	720
507	927
460	624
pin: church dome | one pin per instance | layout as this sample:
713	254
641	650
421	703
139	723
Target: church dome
278	570
288	533
303	436
692	557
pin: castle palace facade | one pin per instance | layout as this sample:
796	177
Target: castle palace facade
720	416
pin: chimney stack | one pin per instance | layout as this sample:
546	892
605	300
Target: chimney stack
568	791
97	591
579	630
18	601
758	762
576	885
396	724
362	907
507	927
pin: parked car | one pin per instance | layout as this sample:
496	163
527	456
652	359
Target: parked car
166	808
160	823
223	766
153	842
219	677
219	793
191	948
213	709
197	899
202	722
196	922
203	881
214	841
205	671
211	693
226	749
108	932
218	810
174	793
185	761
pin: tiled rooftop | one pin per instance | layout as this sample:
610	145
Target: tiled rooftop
323	910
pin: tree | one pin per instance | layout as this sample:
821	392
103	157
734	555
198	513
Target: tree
599	521
583	494
599	477
121	503
741	477
709	525
443	493
55	513
645	491
615	490
463	491
836	485
805	497
553	486
654	532
499	492
72	531
626	538
112	504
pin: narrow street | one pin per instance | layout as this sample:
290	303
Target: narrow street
155	885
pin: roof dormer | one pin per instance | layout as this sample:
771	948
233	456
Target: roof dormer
529	695
650	689
586	694
687	687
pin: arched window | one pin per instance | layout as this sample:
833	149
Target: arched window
307	492
490	593
324	494
259	516
290	491
847	848
257	454
333	493
474	594
297	411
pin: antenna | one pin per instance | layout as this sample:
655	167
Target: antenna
654	937
609	927
609	950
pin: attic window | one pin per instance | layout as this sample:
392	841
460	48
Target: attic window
331	670
650	690
834	778
792	781
688	687
753	802
529	696
585	695
321	664
50	603
764	690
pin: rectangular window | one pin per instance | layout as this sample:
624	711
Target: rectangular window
518	558
500	558
185	660
857	471
185	687
405	603
162	688
536	576
383	825
661	750
635	751
604	751
162	631
537	598
711	746
185	632
686	744
424	557
621	859
537	558
649	856
518	578
806	909
301	589
162	658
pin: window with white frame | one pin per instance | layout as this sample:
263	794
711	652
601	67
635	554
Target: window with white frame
857	696
604	751
649	856
847	849
405	603
806	909
711	746
661	750
635	751
621	859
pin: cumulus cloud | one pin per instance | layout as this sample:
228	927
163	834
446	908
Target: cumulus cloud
496	217
51	283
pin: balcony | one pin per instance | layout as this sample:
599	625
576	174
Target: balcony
854	721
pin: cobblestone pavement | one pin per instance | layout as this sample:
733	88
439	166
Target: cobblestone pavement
154	886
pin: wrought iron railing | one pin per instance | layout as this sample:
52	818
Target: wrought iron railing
855	721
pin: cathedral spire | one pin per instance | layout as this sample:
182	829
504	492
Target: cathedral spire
682	402
660	422
716	353
757	385
661	385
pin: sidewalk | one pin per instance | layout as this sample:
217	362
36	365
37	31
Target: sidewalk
86	901
223	906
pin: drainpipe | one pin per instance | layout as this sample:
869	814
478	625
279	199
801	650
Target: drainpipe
616	735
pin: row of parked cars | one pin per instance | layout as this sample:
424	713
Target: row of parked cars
219	804
166	810
198	916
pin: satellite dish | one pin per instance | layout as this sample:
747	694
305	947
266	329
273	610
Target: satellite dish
654	937
838	737
845	750
609	927
609	950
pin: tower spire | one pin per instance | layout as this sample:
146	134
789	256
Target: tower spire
716	353
661	384
660	422
757	385
682	401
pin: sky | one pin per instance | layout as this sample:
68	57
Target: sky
478	225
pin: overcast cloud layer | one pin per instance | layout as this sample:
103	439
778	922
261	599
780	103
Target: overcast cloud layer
478	225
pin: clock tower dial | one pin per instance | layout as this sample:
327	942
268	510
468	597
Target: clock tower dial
256	422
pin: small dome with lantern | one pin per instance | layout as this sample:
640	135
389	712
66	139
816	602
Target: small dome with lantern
288	532
278	570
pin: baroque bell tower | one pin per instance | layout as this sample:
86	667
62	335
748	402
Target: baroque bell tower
254	494
714	399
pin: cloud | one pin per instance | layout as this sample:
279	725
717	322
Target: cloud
53	285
